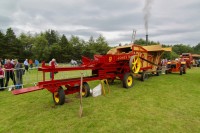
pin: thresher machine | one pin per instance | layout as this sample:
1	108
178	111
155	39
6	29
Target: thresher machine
119	63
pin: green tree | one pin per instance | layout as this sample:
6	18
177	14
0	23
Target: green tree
26	41
55	52
180	48
52	37
101	45
197	48
78	47
2	45
40	49
143	42
66	49
13	47
89	49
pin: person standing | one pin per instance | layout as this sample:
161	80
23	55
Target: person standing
53	63
19	73
30	61
36	63
26	65
9	72
1	77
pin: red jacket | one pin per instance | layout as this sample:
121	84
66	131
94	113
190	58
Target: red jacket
8	66
1	73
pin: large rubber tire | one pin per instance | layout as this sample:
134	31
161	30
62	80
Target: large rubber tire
181	70
86	89
144	76
128	80
59	96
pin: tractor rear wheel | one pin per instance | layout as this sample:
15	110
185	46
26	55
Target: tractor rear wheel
59	96
181	70
135	64
128	80
144	76
86	89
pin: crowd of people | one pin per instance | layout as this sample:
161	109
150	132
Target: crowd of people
14	70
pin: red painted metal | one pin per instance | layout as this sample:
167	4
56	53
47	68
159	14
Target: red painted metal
29	89
175	66
188	58
103	67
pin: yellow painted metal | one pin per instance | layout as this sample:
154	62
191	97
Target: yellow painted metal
168	62
135	63
56	98
83	93
129	80
103	87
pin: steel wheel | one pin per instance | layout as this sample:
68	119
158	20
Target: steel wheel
135	64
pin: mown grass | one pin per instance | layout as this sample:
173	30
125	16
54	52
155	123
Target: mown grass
168	103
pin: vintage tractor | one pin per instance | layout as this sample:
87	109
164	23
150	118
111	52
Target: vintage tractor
177	66
187	57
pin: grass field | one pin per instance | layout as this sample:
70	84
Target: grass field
168	103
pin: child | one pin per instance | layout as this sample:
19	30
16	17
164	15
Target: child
1	77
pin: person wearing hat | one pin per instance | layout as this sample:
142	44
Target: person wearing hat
19	71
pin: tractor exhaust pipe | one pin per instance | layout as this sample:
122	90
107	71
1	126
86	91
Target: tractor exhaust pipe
146	39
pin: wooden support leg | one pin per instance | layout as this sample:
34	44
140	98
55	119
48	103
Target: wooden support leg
103	87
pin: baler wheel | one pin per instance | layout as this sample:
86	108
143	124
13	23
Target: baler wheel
135	64
86	89
128	80
59	96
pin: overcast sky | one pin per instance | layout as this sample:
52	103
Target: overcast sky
170	21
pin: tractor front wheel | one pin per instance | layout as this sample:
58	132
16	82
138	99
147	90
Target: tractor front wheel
86	89
128	80
181	70
59	96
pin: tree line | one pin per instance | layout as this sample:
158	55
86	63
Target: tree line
50	44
